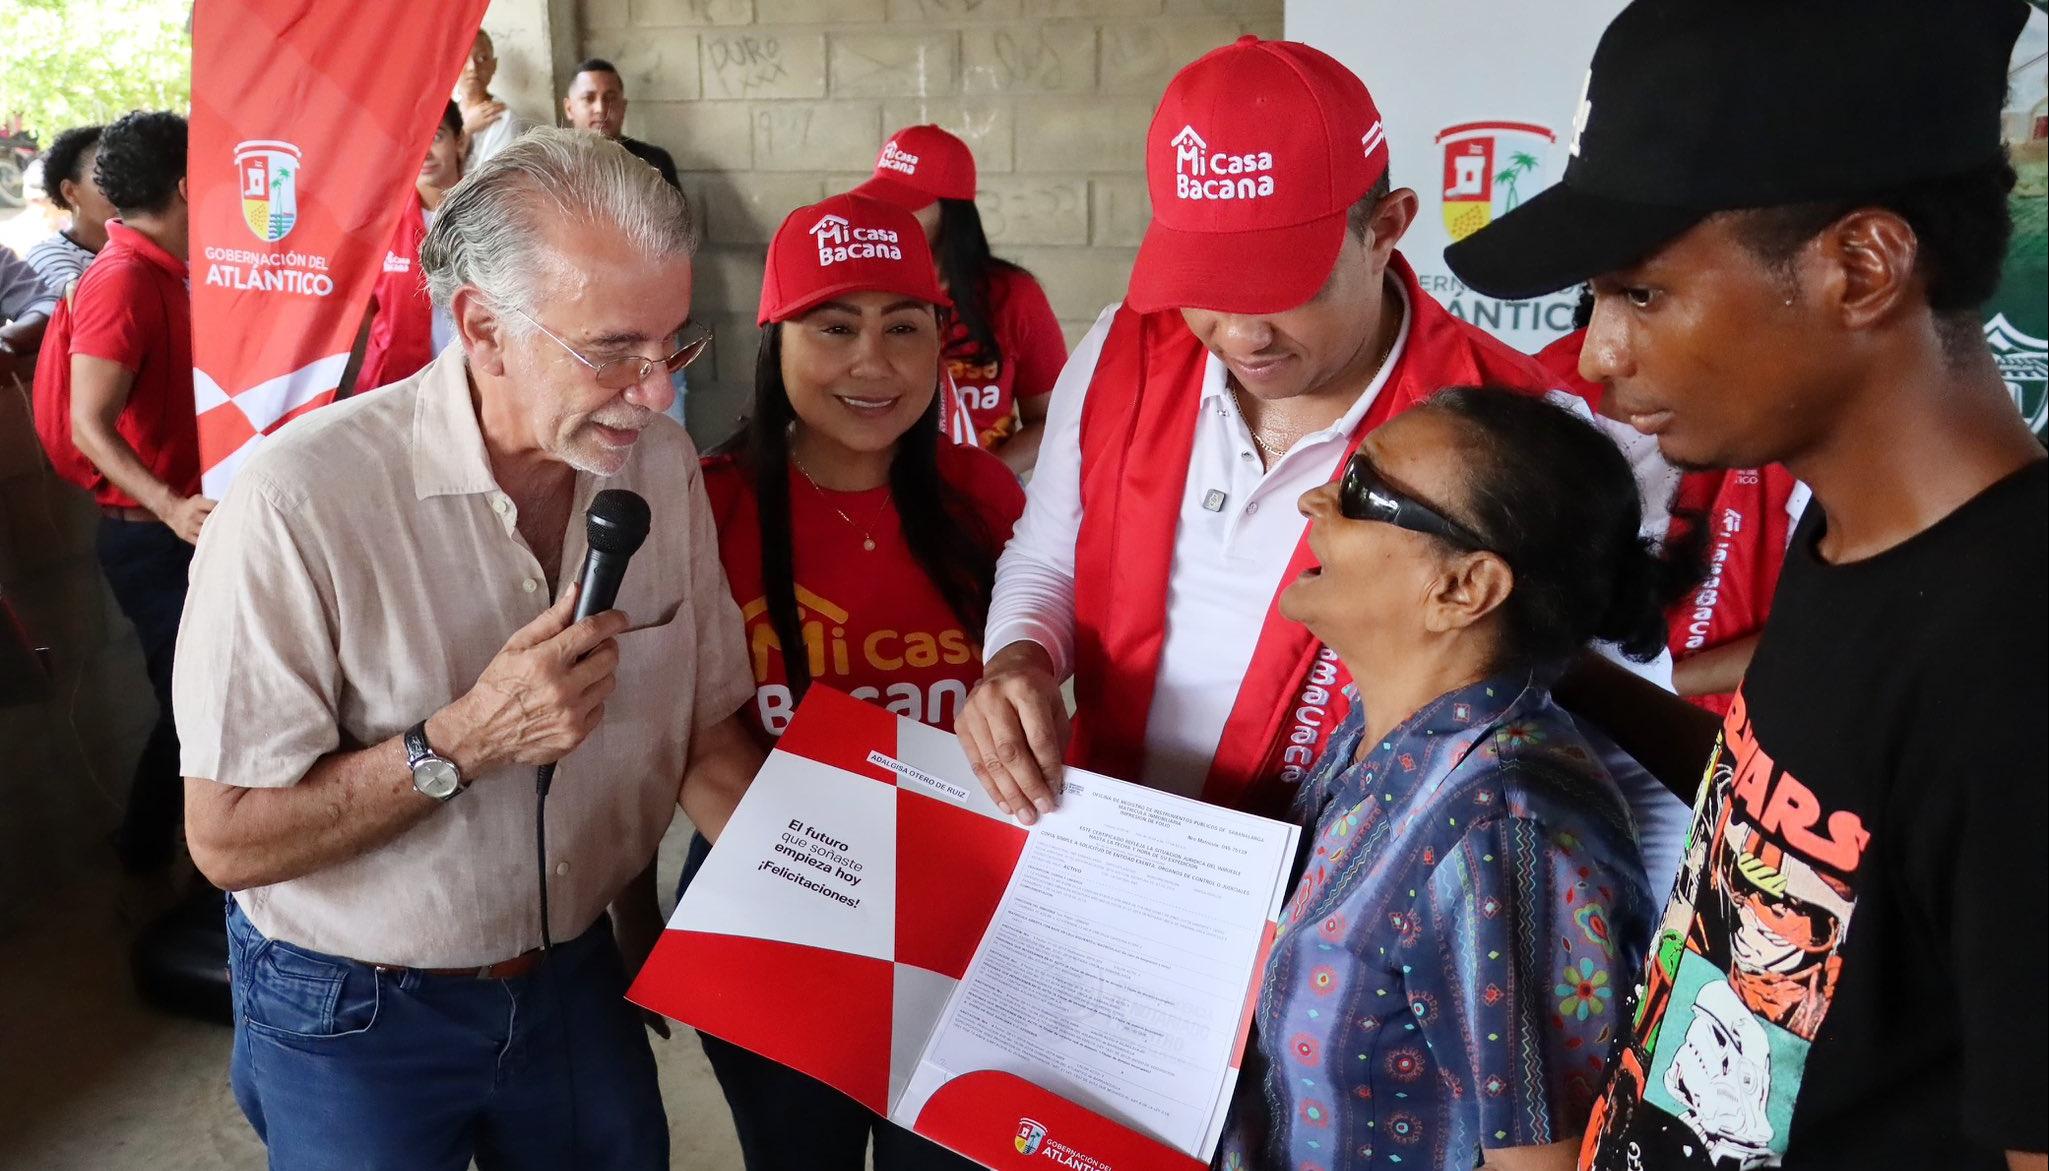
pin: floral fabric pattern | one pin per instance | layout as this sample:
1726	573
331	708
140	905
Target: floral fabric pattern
1443	979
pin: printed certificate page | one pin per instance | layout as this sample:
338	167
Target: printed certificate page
1116	970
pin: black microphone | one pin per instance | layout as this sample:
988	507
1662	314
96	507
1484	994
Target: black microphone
614	528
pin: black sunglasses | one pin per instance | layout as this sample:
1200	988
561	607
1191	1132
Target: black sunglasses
1363	495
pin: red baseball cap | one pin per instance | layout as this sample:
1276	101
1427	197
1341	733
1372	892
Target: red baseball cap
846	244
1255	155
920	164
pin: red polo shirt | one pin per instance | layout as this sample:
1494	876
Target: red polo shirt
876	625
1033	351
133	307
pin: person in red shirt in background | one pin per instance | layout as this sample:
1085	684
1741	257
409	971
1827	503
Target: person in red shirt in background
859	560
1005	347
402	331
131	411
1746	517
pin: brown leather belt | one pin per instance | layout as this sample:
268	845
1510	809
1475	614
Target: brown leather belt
511	969
138	515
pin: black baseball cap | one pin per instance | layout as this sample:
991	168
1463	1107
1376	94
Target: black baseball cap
1699	106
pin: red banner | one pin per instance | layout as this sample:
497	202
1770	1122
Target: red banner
309	121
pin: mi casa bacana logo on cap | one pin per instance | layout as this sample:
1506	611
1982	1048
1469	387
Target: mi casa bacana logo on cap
840	240
1200	173
895	158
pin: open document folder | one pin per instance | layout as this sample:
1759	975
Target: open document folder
1077	991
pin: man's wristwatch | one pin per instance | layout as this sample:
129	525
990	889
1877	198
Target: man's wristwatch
434	775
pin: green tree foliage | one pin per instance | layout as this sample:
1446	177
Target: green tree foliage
65	63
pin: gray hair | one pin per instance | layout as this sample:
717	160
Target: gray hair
487	234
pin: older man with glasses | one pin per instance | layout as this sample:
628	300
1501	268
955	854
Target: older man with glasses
371	670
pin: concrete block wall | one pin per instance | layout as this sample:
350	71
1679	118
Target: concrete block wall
770	104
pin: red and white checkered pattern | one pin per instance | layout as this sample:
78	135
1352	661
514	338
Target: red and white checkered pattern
345	98
850	994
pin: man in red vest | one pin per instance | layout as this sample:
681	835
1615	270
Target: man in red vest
1269	325
402	331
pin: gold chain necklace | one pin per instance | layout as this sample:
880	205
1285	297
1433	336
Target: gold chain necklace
1270	449
867	538
1238	405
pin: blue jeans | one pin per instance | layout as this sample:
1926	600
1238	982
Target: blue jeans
341	1066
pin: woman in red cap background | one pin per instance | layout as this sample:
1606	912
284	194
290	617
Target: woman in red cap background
1005	347
859	559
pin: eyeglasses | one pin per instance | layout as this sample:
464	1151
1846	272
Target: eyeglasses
632	370
1363	495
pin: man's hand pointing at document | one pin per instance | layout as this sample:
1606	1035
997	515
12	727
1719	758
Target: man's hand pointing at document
1014	727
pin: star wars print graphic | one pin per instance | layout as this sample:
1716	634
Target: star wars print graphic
1741	974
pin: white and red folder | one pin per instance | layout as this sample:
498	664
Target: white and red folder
1073	994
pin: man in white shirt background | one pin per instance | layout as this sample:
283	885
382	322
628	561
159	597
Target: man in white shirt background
488	124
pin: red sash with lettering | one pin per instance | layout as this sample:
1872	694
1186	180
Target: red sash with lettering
1137	431
1747	526
1744	511
401	339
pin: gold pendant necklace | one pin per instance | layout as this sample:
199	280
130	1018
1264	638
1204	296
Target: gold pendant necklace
1246	422
1238	404
867	538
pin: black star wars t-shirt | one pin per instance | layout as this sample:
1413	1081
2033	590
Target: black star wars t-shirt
1851	971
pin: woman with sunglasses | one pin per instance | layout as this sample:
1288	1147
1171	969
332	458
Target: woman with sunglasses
1472	900
862	556
1004	347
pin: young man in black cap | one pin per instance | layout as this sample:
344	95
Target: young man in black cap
1790	213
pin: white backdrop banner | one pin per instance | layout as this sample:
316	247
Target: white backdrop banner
1478	98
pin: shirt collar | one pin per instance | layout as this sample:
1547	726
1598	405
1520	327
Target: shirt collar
448	443
1469	712
141	245
1215	384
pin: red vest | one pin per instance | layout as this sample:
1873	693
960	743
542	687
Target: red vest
1137	432
401	339
1744	511
1747	525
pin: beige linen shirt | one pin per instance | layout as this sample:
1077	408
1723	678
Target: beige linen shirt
360	574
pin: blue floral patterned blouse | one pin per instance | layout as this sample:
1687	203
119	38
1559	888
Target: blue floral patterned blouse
1446	974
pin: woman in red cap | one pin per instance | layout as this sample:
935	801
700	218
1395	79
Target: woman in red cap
859	560
1005	347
